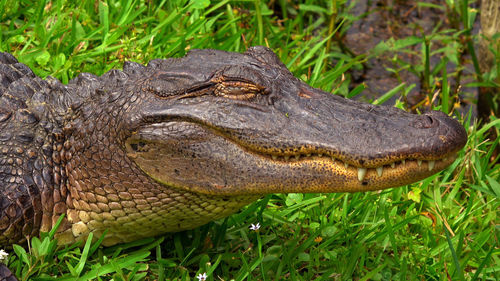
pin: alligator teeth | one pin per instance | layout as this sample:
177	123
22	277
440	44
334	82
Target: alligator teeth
431	165
361	173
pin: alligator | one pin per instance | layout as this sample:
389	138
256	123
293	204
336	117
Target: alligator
180	142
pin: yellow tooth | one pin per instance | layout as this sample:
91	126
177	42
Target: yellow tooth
419	162
274	157
380	170
393	165
431	165
403	162
297	157
308	155
346	165
287	158
361	173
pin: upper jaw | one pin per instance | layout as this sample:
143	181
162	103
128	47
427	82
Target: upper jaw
358	134
367	142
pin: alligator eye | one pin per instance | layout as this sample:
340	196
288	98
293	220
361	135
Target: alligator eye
238	90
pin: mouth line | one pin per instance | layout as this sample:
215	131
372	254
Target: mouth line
422	165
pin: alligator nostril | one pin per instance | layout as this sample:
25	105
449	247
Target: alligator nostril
424	122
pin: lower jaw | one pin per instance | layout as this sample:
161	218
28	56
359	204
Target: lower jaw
337	177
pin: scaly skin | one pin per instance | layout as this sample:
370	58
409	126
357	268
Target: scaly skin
181	142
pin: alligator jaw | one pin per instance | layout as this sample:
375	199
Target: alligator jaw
233	169
362	178
396	167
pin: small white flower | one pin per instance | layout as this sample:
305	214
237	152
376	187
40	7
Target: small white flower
255	227
202	277
3	255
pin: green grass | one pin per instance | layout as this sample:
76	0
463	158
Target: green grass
442	228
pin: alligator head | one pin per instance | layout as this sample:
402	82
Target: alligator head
224	123
180	142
